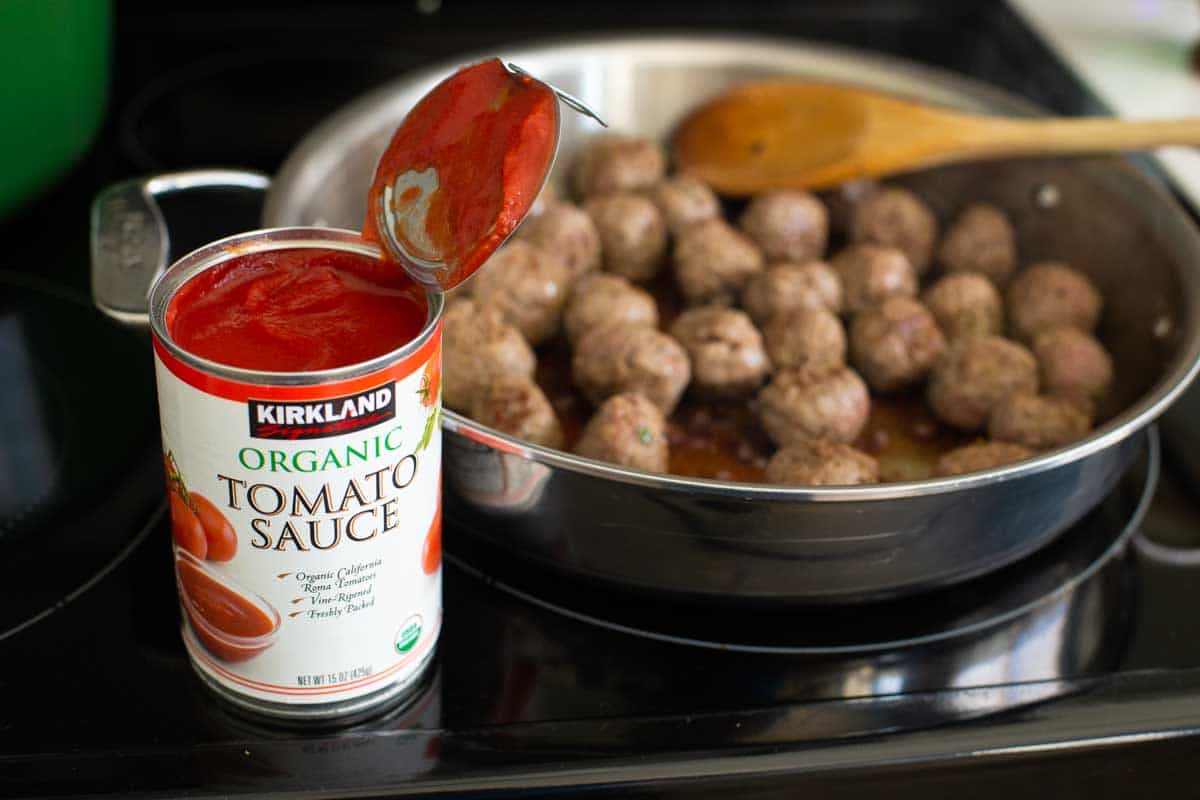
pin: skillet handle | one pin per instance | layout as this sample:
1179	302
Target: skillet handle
130	238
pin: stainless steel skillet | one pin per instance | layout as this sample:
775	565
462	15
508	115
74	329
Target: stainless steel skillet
733	542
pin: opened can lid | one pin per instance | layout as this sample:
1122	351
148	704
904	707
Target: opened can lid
462	170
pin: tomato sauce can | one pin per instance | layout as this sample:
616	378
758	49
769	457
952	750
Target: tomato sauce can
327	604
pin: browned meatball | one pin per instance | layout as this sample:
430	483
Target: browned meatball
1073	363
980	456
1049	294
628	430
479	347
843	202
786	287
567	231
820	462
684	200
713	262
547	197
965	304
726	350
633	234
603	299
895	217
1038	421
625	357
814	404
615	162
787	225
870	274
805	337
975	374
895	344
980	240
515	405
528	285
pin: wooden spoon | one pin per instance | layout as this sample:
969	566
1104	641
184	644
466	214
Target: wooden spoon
788	134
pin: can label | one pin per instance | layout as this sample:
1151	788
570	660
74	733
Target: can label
307	526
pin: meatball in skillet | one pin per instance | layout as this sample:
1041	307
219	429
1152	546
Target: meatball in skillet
615	162
713	262
567	231
814	404
515	405
980	456
1037	421
805	337
895	217
982	240
684	200
843	201
820	462
623	357
787	225
633	234
965	304
1073	363
726	350
479	347
528	286
788	286
895	344
603	299
871	274
628	430
974	375
1049	294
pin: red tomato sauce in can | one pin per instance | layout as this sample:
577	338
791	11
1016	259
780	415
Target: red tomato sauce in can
296	310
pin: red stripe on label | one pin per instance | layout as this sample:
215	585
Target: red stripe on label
241	392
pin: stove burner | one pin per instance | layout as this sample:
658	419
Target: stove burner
79	474
954	613
246	110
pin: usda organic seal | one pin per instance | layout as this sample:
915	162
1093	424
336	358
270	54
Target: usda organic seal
409	633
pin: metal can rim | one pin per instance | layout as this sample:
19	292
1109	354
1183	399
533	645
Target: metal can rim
263	240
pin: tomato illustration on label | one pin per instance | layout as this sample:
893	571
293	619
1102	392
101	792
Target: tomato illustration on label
222	539
186	529
197	525
431	382
431	553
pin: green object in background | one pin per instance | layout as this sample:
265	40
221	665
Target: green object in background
54	64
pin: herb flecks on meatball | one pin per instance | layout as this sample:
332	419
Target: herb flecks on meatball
628	430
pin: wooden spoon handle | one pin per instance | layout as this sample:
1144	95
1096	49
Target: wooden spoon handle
1077	135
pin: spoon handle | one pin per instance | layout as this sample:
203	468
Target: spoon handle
1089	135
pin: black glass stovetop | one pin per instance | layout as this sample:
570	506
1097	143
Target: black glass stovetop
1078	671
